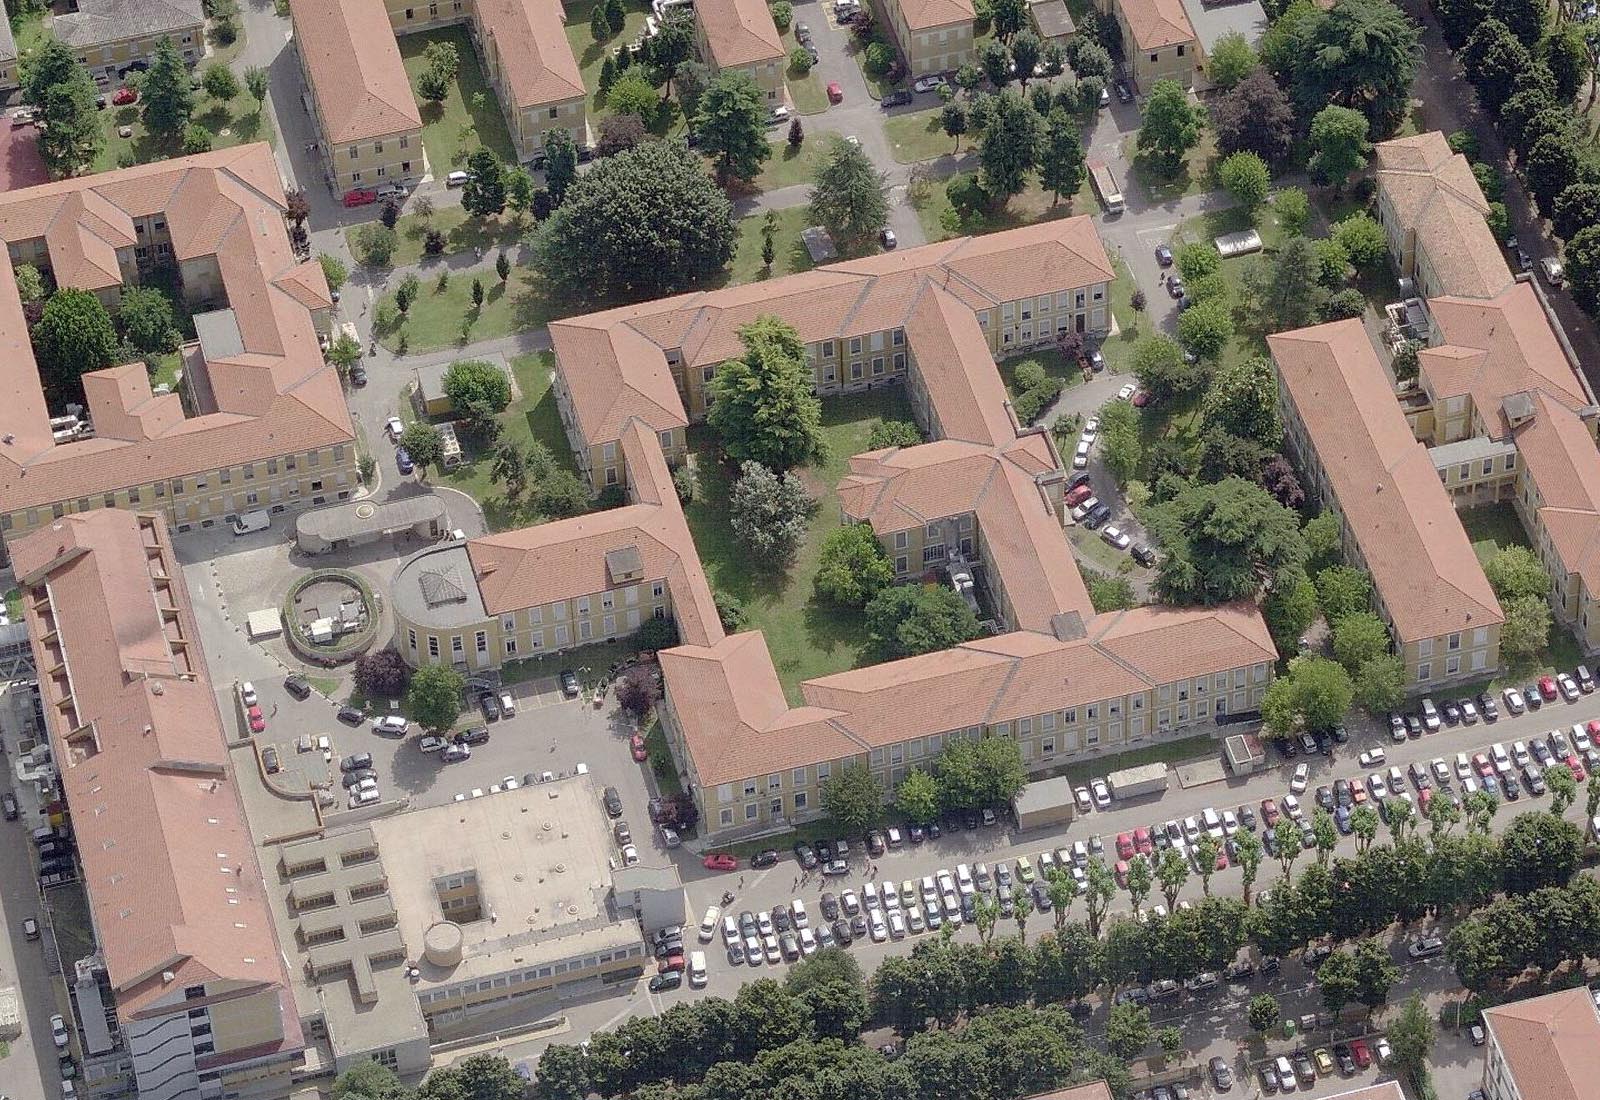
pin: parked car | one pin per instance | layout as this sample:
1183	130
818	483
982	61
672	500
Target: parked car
390	725
835	92
895	99
361	196
456	179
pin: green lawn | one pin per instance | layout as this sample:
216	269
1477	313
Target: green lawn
920	136
591	55
533	417
806	637
436	318
29	31
1193	176
167	372
790	251
787	165
14	604
465	120
805	89
1054	363
590	662
1493	527
1089	547
877	84
237	122
462	233
930	199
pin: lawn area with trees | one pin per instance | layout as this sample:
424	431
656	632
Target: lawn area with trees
788	250
807	636
468	117
442	316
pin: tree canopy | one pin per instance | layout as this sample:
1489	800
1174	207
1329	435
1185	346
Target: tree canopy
1171	125
763	404
73	336
434	697
853	566
768	512
1223	541
732	126
642	223
850	198
905	620
63	93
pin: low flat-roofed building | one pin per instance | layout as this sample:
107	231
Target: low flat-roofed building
507	896
934	36
261	421
1432	211
1358	454
109	36
351	982
358	93
1045	802
1213	21
740	36
1053	21
1543	1048
180	914
354	523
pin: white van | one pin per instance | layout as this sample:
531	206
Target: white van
708	924
456	179
246	522
697	969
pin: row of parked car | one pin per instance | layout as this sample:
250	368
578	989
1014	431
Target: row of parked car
1432	717
1090	512
1301	1069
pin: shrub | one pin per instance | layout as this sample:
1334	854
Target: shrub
893	433
800	60
433	243
782	14
879	58
1030	374
382	675
730	609
683	482
375	244
656	634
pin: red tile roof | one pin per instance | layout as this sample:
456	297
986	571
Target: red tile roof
1551	1044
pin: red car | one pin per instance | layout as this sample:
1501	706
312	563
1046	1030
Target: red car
670	963
1359	1051
1424	800
1269	812
1594	729
1141	399
360	197
1575	766
123	97
636	744
1222	859
257	722
721	861
1547	688
1079	495
1483	765
1124	845
835	93
1121	871
1142	841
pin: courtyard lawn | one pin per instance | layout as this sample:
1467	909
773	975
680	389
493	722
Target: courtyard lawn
167	372
1167	752
590	662
790	251
919	135
1493	527
533	417
1193	176
462	233
591	55
439	319
235	122
1054	363
807	637
930	199
14	604
453	129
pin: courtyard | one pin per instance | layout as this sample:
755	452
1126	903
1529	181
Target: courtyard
468	118
807	637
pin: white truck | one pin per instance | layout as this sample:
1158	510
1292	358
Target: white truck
1134	782
1105	185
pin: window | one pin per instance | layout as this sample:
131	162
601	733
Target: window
481	640
827	349
1180	49
554	111
405	142
898	337
1424	672
456	648
855	345
799	801
355	152
433	645
1454	641
751	811
511	646
377	147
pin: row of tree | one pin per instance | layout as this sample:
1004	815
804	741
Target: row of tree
967	774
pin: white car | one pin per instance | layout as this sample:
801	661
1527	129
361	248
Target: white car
769	944
363	796
1117	537
1463	766
1191	829
897	924
1230	822
1372	758
808	942
801	919
1080	457
58	1032
1085	802
1126	392
433	744
1091	427
1084	507
849	902
877	926
1291	806
708	924
752	950
929	84
454	753
1513	699
247	692
394	427
390	724
1101	793
630	855
1302	776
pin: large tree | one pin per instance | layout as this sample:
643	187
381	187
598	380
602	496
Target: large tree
1245	176
1315	694
73	336
1171	125
972	774
763	404
1223	541
1338	144
1288	291
1061	163
1552	166
434	697
1492	59
485	190
905	620
1254	116
1526	631
1243	401
441	61
1515	571
1159	364
1360	54
732	126
167	97
853	566
641	223
146	319
768	512
853	798
1010	145
63	93
850	198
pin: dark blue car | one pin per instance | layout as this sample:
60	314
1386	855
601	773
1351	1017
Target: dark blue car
402	459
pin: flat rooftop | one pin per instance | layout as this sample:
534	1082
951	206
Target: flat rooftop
436	587
541	857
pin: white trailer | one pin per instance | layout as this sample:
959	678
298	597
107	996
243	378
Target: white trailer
1137	781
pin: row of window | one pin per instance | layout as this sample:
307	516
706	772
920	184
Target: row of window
562	635
505	981
1479	662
